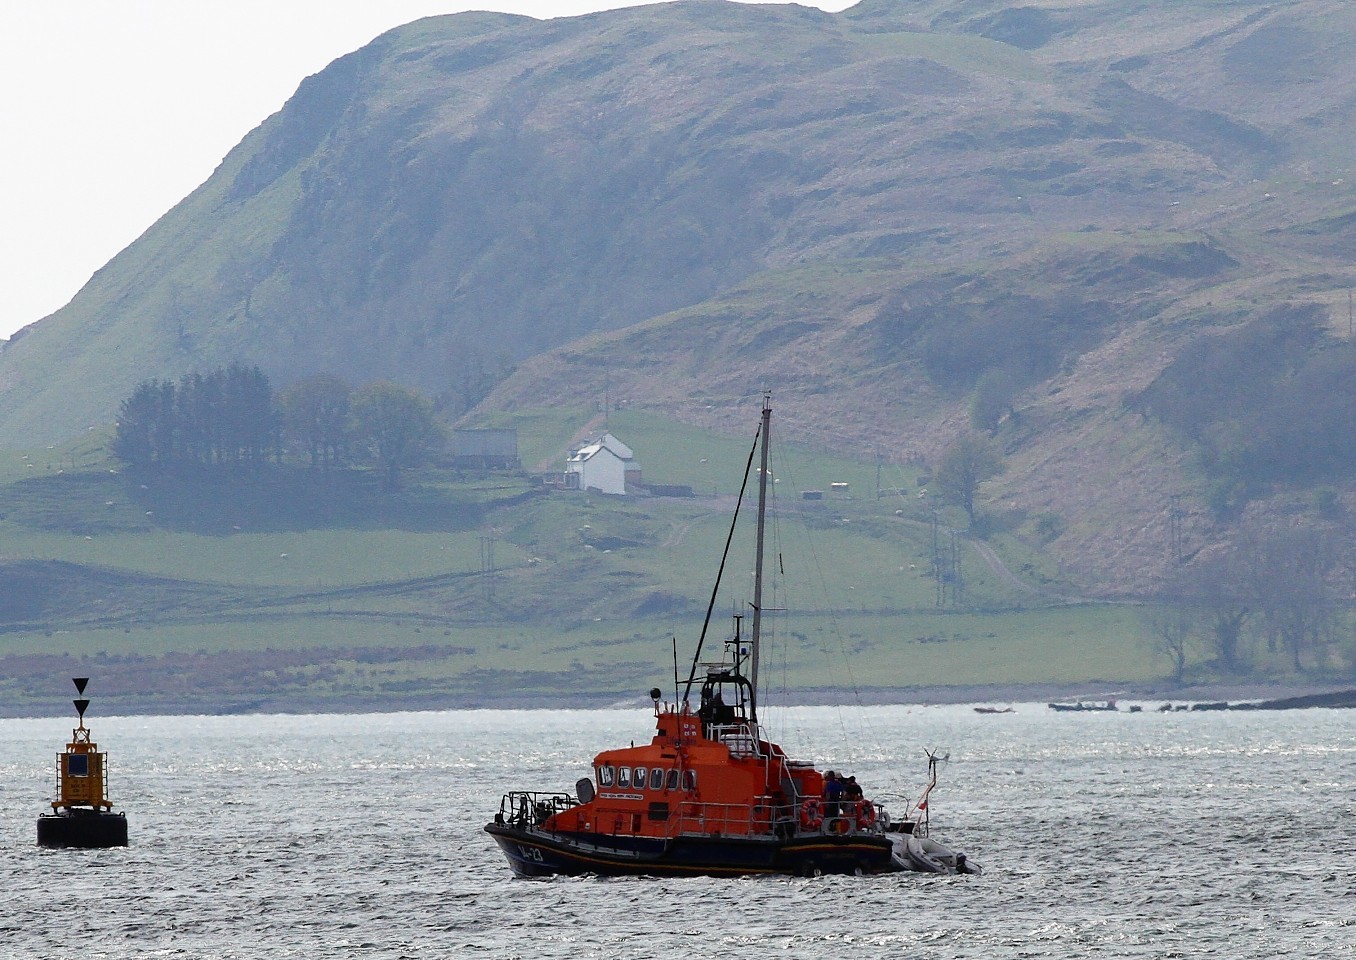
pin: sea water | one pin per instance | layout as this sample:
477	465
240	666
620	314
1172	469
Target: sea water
1200	834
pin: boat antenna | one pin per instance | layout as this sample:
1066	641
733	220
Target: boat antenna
696	657
675	670
754	643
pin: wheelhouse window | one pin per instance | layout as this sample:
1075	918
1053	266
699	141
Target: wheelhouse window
656	778
671	780
689	779
638	778
624	777
605	775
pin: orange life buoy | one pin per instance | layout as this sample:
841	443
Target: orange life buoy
811	817
866	814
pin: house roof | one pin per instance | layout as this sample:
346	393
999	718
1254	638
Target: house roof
606	442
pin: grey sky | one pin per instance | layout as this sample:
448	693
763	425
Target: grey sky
114	110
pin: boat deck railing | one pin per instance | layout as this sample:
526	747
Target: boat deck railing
526	808
739	738
773	820
530	810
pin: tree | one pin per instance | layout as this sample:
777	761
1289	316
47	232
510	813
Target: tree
1288	572
964	466
1170	627
139	423
223	416
1217	584
395	423
248	413
197	413
471	378
149	434
315	414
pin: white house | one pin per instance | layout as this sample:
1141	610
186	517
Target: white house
606	465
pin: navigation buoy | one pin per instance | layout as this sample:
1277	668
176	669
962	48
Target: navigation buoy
82	815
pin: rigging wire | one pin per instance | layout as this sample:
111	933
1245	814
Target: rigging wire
720	573
780	600
836	632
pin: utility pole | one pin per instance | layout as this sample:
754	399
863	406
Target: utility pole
937	559
487	572
957	580
607	396
1175	528
946	563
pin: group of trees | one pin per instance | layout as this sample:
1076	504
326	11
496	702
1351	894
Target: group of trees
963	466
221	417
967	332
1273	594
231	417
1267	402
1273	591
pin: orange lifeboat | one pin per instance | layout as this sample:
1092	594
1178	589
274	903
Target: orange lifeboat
710	793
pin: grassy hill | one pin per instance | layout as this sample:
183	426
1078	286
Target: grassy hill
466	590
877	213
893	217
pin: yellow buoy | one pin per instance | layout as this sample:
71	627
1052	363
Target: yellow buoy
82	815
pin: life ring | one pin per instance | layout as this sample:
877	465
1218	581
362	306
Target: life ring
866	814
811	816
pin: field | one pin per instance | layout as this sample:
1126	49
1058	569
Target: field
286	591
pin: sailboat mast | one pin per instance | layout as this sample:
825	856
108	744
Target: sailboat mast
757	635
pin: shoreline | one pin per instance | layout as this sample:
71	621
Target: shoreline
976	694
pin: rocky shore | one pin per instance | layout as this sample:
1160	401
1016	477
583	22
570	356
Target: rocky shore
1147	697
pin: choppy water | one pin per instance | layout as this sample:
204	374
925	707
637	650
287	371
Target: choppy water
1106	835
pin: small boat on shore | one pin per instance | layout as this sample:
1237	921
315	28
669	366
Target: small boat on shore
994	710
711	793
1083	706
82	815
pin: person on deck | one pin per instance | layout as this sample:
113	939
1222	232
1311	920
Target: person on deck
851	791
833	794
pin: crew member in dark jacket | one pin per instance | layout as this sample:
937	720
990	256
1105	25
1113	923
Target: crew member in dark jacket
833	794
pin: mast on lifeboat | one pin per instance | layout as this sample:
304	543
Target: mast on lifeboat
757	635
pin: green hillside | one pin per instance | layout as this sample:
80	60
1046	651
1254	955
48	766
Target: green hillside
465	589
1113	240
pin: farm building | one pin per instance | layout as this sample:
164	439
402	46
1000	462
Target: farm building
606	465
485	449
